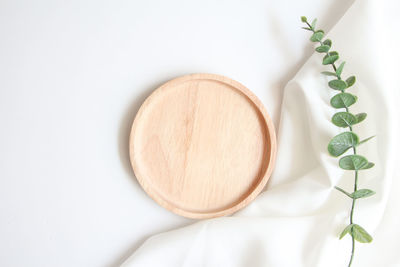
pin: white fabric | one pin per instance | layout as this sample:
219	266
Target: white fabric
296	222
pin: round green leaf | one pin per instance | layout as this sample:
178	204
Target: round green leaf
355	162
342	142
303	19
351	80
368	166
330	58
360	234
343	100
360	117
344	119
346	230
327	42
337	84
317	36
362	193
322	49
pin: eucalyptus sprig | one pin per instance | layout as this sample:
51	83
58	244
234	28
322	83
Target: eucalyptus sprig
342	142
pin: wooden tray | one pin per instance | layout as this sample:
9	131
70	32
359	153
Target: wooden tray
202	146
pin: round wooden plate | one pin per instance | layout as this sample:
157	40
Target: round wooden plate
202	146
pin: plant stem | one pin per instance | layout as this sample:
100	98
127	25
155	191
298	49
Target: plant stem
353	245
333	64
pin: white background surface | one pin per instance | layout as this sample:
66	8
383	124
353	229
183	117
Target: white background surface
72	76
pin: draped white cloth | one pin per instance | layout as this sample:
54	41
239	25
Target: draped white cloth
297	220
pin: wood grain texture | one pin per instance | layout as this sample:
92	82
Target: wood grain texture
202	146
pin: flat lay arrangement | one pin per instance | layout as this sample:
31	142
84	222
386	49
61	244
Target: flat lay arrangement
199	133
300	218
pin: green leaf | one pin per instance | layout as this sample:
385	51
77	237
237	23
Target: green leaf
360	234
342	142
360	117
327	42
355	162
346	230
317	36
303	19
306	28
322	49
343	100
357	232
362	193
344	119
369	166
337	84
328	73
343	191
340	69
330	58
351	80
366	140
313	23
